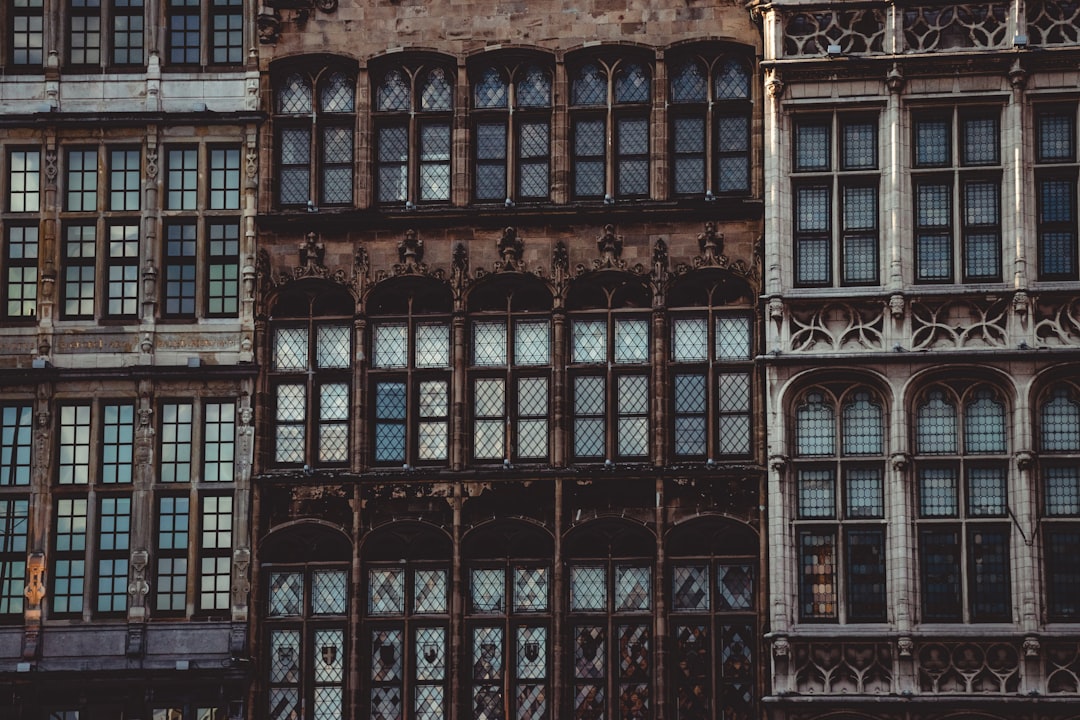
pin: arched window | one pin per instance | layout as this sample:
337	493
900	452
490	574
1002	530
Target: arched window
609	367
315	119
410	378
510	379
710	124
413	104
1058	425
310	373
713	625
610	101
610	570
840	505
512	108
962	503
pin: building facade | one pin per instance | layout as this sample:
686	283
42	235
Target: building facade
921	359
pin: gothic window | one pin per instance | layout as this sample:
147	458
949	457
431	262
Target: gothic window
710	125
413	104
961	493
311	372
1058	426
510	380
315	127
307	639
512	111
836	200
1056	191
508	630
713	660
610	100
405	636
711	349
21	234
840	504
610	623
609	368
409	375
957	178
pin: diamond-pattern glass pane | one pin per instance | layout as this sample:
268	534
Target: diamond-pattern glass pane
530	589
689	175
634	655
734	392
531	702
434	399
291	403
337	94
631	341
531	653
532	343
430	657
691	336
734	435
489	344
735	587
492	90
432	345
429	592
386	592
393	92
429	702
589	437
393	144
633	396
435	94
296	147
534	142
532	402
385	704
488	590
386	655
487	652
294	96
734	173
936	425
589	652
588	588
290	349
588	701
329	660
690	587
632	588
632	85
332	348
984	423
736	655
817	493
534	89
286	592
294	184
328	592
489	396
487	702
733	338
633	436
688	83
589	395
328	703
732	80
337	181
284	704
589	86
588	341
733	133
938	492
391	345
488	439
285	656
689	136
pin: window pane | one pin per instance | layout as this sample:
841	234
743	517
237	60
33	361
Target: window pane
817	494
488	590
588	588
691	339
1056	133
732	80
290	349
1062	489
812	202
1063	574
489	343
860	147
815	427
333	344
866	576
688	83
690	588
1059	423
386	592
286	593
863	493
531	343
534	89
932	143
863	432
989	585
733	338
938	492
589	341
811	147
632	85
936	425
817	586
735	586
987	495
984	424
589	87
429	592
981	145
391	344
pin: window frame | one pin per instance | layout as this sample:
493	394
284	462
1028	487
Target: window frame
1065	169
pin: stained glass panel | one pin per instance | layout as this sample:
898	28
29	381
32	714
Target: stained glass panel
286	591
386	593
1062	490
589	86
735	587
385	704
488	590
386	655
328	592
393	92
429	702
430	653
632	85
815	427
487	653
632	588
530	589
531	653
329	656
285	656
690	587
337	94
491	90
429	592
531	701
935	429
688	82
435	93
863	431
589	652
938	492
534	89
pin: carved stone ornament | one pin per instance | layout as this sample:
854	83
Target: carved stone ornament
899	461
777	463
511	248
411	254
906	646
895	79
1018	76
711	244
1025	459
1021	303
774	86
50	168
776	308
151	162
1032	647
311	255
138	587
268	21
896	305
660	274
781	647
241	583
610	246
35	584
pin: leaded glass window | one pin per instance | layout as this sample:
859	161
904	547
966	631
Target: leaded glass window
1058	429
1056	191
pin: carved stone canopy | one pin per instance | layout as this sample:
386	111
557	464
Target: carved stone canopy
411	249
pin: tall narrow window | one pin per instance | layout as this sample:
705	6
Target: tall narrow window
957	177
184	32
1058	424
128	32
21	271
226	32
1056	191
122	270
413	103
15	429
215	552
84	40
114	532
69	556
962	481
840	505
14	516
26	36
611	100
710	125
316	123
218	441
182	179
170	589
180	261
513	132
175	441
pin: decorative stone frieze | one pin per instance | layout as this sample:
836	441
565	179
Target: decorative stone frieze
863	668
1062	667
836	326
968	667
855	31
1057	321
975	26
1053	22
963	323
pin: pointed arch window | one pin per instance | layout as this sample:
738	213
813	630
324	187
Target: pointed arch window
1058	424
413	106
512	108
315	115
610	100
710	125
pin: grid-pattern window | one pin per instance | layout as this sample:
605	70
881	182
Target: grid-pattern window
836	201
512	109
315	120
26	32
1058	426
413	105
15	444
180	262
73	463
174	451
839	505
24	181
710	385
122	270
226	32
82	176
20	271
114	533
84	38
510	388
215	552
225	178
961	492
217	25
184	31
173	522
117	443
610	102
128	32
69	556
223	268
411	390
181	178
218	441
957	194
1056	191
96	443
307	641
14	518
79	254
124	179
710	125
